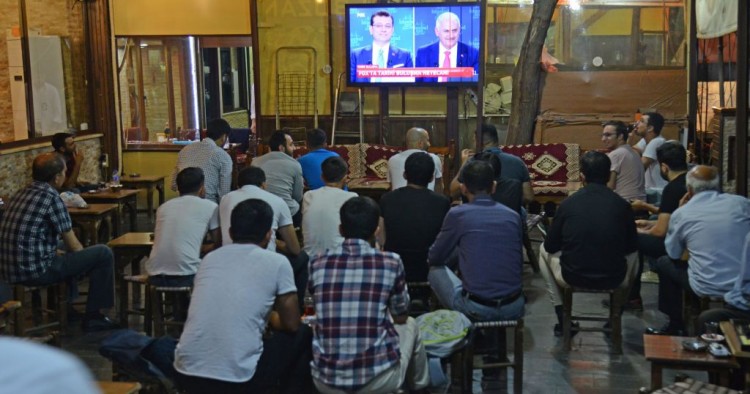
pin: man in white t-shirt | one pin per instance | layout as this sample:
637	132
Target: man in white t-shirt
181	227
417	140
320	208
241	289
649	129
252	184
626	173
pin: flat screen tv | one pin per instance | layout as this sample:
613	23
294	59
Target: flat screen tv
425	44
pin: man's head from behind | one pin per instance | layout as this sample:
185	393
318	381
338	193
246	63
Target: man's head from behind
218	128
281	141
493	160
359	218
381	27
417	138
702	178
489	136
251	222
419	169
448	29
63	143
316	139
50	168
595	167
333	169
671	157
477	177
190	181
251	176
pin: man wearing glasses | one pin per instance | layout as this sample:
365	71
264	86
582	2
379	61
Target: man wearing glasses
381	53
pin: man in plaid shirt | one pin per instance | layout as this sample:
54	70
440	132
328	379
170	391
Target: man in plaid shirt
34	221
364	340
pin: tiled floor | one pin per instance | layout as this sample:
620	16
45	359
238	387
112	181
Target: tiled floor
588	368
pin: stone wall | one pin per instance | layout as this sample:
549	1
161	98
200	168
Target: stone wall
15	168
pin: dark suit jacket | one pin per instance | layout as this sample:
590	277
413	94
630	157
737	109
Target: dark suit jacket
396	57
428	56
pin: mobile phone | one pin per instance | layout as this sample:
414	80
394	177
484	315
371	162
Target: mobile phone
693	345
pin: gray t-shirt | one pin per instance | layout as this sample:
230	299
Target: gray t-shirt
283	177
626	162
234	292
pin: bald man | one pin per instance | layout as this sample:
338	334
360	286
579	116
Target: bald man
34	222
417	140
709	228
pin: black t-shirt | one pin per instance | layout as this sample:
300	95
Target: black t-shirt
673	192
509	192
595	229
413	218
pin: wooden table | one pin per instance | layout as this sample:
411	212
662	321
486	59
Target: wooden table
667	352
733	343
129	248
125	198
90	220
118	387
148	182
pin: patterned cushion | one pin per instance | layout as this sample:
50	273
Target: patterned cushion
549	162
372	153
380	168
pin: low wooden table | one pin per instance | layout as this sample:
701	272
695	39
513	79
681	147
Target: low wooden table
148	182
125	198
667	352
129	249
119	387
90	220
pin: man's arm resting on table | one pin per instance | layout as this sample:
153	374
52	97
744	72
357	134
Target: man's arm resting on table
285	313
71	241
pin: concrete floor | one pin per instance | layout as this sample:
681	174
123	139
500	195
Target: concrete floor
588	368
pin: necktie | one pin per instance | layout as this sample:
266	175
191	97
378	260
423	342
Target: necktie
381	58
446	64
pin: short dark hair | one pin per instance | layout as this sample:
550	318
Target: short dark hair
673	154
656	121
620	128
217	128
250	221
277	138
489	134
190	180
251	176
493	159
478	176
316	138
58	140
380	13
359	217
47	166
595	166
334	169
419	168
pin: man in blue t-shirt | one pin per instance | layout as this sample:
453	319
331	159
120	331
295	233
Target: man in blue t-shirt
317	144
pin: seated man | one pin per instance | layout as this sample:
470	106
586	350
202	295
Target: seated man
488	238
320	208
284	174
181	227
738	299
64	144
34	220
412	217
627	174
364	340
711	228
239	290
512	166
311	161
594	231
252	184
417	140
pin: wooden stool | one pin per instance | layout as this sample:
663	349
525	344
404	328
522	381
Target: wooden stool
157	295
463	360
57	305
693	306
136	281
614	319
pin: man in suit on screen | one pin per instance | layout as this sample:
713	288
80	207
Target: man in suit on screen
380	53
448	51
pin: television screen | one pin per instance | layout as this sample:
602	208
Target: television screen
413	44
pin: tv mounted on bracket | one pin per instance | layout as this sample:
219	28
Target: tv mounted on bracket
422	44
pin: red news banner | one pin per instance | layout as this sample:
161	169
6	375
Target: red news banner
417	72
